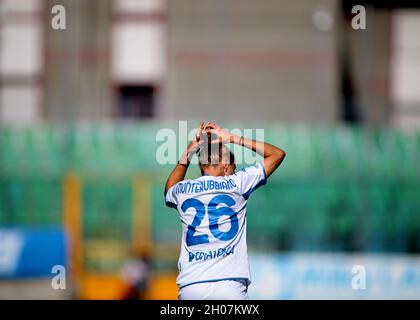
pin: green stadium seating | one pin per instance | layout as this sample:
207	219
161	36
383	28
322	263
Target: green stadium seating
339	188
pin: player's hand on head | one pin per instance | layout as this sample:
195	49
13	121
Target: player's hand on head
199	132
196	141
218	134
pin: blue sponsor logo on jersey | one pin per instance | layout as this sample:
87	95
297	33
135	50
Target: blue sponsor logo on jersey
206	185
206	255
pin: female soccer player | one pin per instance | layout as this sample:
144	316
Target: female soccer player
213	262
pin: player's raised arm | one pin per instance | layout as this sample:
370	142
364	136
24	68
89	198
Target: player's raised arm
178	173
272	155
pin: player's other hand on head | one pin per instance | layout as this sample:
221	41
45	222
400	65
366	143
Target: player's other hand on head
198	137
217	133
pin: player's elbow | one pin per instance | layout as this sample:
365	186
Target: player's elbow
279	156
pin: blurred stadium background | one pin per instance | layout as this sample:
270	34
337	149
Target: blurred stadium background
80	109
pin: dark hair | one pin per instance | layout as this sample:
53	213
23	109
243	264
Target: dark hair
213	154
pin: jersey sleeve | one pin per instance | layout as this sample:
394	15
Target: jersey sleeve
171	197
251	178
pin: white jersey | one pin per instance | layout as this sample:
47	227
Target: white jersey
213	215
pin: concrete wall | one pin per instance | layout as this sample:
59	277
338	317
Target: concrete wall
245	59
77	62
237	59
370	65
